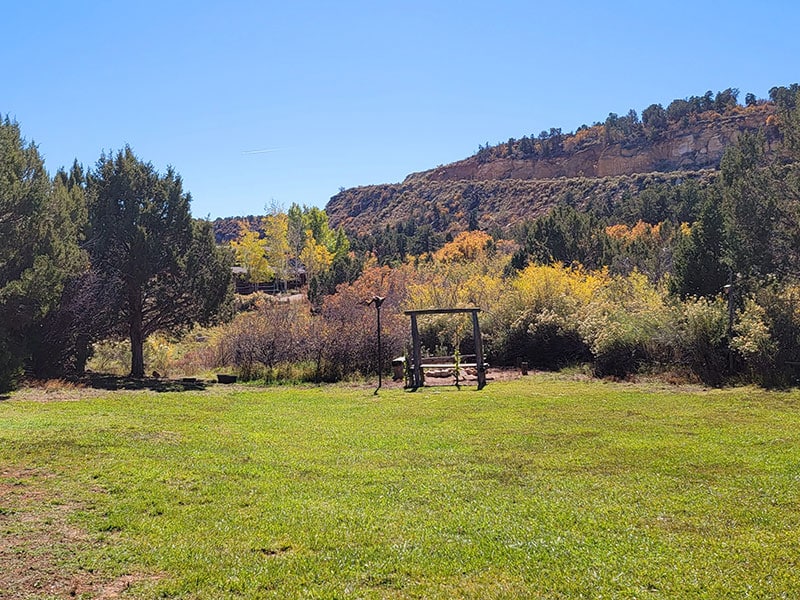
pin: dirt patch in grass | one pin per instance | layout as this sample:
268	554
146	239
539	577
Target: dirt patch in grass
56	393
40	551
96	386
100	386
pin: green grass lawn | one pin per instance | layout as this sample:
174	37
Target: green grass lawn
541	487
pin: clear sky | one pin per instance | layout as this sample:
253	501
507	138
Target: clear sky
256	103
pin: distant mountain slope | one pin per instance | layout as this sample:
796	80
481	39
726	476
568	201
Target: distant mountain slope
227	229
522	179
449	206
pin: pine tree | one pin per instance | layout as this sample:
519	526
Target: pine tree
157	268
699	267
38	247
60	344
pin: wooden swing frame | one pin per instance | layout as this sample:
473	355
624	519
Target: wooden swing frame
417	379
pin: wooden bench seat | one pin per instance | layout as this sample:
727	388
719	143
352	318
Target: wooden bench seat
445	366
447	362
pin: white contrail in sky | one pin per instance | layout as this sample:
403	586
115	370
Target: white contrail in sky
262	151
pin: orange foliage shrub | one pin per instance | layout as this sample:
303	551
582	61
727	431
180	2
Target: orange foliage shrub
584	136
467	245
640	231
349	323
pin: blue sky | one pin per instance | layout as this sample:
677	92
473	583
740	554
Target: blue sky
261	103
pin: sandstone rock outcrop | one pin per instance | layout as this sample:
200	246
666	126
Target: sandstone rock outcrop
699	145
502	190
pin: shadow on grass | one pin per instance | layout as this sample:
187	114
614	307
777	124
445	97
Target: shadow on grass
114	382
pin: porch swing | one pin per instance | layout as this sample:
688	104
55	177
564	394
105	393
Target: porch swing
416	367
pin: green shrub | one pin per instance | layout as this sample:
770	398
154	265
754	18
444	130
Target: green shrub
702	338
112	357
10	368
537	319
545	340
782	308
620	350
754	342
624	325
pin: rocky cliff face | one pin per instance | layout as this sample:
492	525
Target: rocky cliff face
501	191
699	145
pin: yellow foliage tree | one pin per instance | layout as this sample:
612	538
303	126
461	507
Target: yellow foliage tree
315	256
463	273
250	251
277	248
556	289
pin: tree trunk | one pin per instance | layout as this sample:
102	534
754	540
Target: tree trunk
137	336
83	351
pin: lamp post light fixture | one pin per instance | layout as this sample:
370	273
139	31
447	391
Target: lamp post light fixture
377	301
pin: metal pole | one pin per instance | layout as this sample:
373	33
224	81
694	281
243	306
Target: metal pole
377	300
729	289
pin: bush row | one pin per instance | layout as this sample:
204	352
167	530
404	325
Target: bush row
549	316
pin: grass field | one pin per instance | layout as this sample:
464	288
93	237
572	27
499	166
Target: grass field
542	487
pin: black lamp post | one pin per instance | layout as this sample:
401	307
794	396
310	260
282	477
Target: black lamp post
377	301
730	290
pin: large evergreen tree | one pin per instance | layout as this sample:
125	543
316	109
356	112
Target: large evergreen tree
753	211
61	342
699	267
564	235
38	248
157	268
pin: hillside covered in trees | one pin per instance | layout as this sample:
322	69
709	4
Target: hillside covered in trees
598	165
